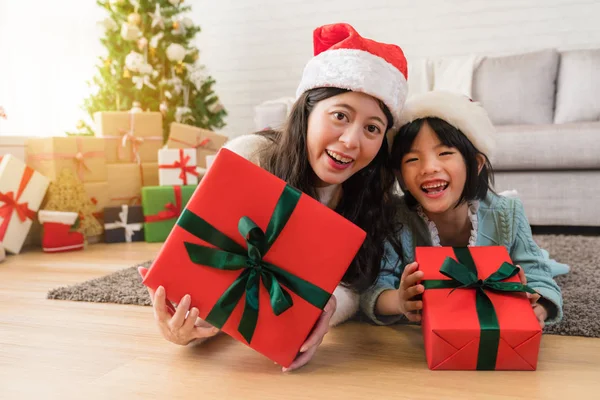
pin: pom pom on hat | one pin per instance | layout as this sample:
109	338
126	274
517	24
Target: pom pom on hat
456	109
344	59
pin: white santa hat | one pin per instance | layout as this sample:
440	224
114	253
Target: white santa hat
344	59
456	109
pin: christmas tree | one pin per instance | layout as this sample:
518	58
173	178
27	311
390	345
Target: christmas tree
151	60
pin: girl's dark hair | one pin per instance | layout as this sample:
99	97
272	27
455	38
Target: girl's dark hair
367	195
476	185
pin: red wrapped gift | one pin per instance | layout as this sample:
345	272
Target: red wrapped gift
476	314
245	234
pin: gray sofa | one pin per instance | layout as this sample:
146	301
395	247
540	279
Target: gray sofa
546	108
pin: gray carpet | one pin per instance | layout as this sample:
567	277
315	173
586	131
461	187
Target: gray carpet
581	286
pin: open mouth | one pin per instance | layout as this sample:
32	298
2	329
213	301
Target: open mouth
338	158
436	187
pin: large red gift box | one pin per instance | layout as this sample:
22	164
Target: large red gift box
480	318
296	241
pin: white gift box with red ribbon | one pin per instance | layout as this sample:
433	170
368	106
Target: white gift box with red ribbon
21	192
177	167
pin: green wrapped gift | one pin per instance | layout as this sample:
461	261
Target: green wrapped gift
162	206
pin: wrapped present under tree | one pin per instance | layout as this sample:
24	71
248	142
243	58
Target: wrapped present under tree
21	192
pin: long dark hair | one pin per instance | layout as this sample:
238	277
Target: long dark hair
477	183
367	195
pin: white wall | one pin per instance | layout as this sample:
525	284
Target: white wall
256	49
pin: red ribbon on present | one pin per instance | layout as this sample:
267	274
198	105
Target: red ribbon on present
182	164
78	158
199	143
11	204
136	142
171	210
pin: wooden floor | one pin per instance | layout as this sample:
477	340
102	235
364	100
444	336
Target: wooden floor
52	349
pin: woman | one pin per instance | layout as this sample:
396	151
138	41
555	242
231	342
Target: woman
332	148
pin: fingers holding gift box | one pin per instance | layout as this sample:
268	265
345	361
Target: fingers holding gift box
476	314
280	250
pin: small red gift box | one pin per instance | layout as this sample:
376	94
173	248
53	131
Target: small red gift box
475	312
259	258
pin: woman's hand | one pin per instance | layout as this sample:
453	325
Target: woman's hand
309	348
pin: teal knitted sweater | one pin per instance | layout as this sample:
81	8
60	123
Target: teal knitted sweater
500	221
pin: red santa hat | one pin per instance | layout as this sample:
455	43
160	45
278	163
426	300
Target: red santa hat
456	109
346	60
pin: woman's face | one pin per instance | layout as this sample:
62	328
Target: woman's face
345	133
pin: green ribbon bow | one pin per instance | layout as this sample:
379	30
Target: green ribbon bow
463	275
230	256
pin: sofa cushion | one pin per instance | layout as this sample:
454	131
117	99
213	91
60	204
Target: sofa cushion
518	89
547	147
578	87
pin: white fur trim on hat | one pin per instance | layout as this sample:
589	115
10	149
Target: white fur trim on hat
359	71
456	109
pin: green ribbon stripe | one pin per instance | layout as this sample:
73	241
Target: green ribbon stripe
230	256
463	275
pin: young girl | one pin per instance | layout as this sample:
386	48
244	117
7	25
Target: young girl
440	159
332	148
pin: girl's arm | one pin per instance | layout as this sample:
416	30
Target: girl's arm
380	303
538	267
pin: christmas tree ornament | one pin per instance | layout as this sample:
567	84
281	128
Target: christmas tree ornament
130	32
187	22
215	107
133	61
142	43
146	69
154	40
180	67
134	19
140	80
136	107
178	28
157	18
175	52
109	25
163	108
59	234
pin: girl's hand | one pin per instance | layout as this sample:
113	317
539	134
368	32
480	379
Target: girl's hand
409	290
539	310
309	348
177	325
